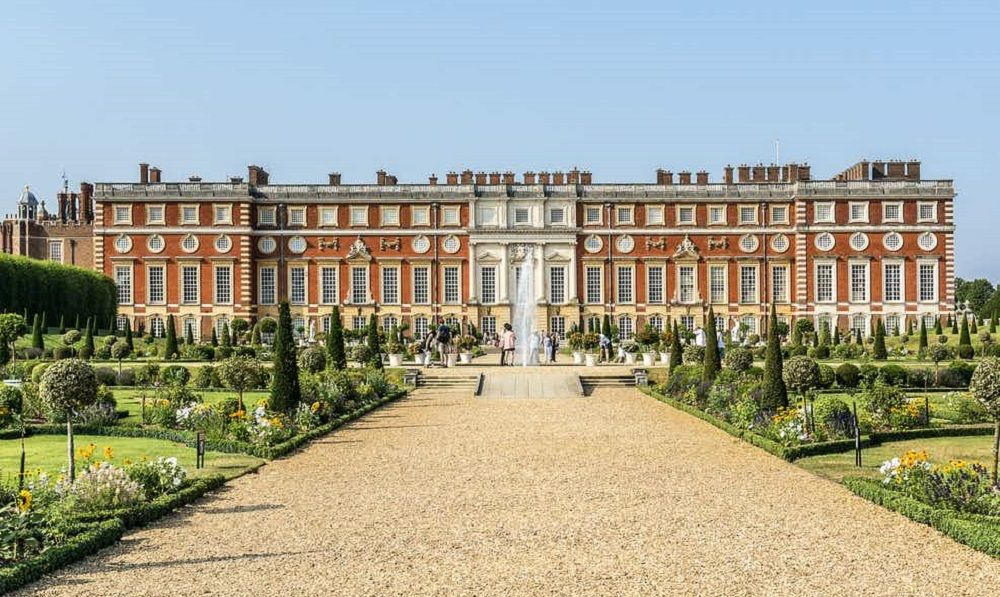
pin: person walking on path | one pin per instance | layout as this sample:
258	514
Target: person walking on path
554	348
547	345
507	342
605	344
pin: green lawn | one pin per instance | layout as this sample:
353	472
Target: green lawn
48	453
977	448
131	399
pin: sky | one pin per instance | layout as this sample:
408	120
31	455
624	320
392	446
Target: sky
621	88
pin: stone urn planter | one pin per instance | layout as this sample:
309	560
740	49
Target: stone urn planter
465	358
452	359
648	358
630	358
578	357
591	359
664	358
395	360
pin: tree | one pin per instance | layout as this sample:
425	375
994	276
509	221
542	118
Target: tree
963	338
985	386
215	338
712	361
836	335
879	350
285	391
922	345
255	336
238	327
937	326
993	322
119	351
676	355
189	335
170	351
62	324
227	340
88	341
241	373
975	293
374	347
972	325
36	334
12	327
128	336
953	324
335	342
68	385
774	394
606	326
938	353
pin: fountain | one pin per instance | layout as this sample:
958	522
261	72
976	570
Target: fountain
524	307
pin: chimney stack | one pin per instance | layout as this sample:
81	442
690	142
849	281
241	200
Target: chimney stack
194	178
543	178
452	178
334	178
897	169
380	178
529	177
256	176
154	175
480	178
878	170
913	170
466	176
432	180
62	197
773	173
759	175
86	202
558	178
143	173
585	178
574	176
684	177
702	177
664	177
494	178
744	173
727	175
508	177
804	172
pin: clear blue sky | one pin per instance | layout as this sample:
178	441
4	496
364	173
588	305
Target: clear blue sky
621	88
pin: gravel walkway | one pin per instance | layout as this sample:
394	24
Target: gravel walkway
611	494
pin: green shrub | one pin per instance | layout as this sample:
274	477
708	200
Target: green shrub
175	375
206	377
106	376
834	415
312	359
693	354
894	375
827	376
738	359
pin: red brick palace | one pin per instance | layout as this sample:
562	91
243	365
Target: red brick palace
876	240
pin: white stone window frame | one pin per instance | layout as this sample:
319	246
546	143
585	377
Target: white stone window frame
130	268
777	220
451	216
127	210
779	238
150	220
57	242
885	241
260	285
627	221
830	235
863	218
724	268
587	210
586	294
267	209
937	280
425	217
399	283
127	242
323	286
824	204
522	210
753	209
358	216
660	215
593	237
389	216
445	268
833	281
267	239
934	211
755	268
787	298
227	208
292	267
929	235
619	268
426	269
663	283
149	283
902	280
695	292
680	210
297	216
563	220
850	281
181	267
216	268
724	220
222	239
197	243
564	268
885	209
328	216
196	220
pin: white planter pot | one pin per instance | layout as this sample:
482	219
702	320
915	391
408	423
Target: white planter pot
452	359
630	358
577	358
647	359
465	358
664	358
591	360
395	360
422	358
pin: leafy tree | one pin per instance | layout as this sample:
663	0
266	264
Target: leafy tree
36	334
879	350
170	351
676	356
335	342
68	385
801	374
836	335
119	351
773	391
938	353
824	335
285	391
238	328
241	373
12	327
973	327
374	347
993	322
255	336
922	345
985	386
713	361
974	292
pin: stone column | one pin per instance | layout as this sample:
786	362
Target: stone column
473	274
502	275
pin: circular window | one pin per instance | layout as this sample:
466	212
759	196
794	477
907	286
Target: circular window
155	243
451	244
593	243
625	244
189	243
859	241
123	244
779	243
927	241
749	243
297	244
824	241
223	244
267	245
892	241
421	244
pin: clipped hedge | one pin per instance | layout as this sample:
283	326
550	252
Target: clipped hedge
979	532
59	291
87	542
880	437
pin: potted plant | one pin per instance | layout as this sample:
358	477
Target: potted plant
647	338
465	345
665	347
630	348
417	349
395	350
589	343
575	341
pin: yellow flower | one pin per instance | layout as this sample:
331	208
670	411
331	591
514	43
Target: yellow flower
237	415
127	461
109	453
86	452
315	406
24	500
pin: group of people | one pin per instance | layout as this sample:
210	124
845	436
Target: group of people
542	347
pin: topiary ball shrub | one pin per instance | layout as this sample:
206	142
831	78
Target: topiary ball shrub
801	374
848	375
827	376
965	351
822	351
11	402
894	375
68	385
693	354
106	376
71	337
206	377
738	359
834	416
175	375
313	359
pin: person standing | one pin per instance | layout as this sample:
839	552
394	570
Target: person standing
507	342
554	348
547	345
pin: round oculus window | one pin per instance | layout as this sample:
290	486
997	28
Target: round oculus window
625	244
892	241
266	244
155	243
824	241
421	244
189	243
927	241
223	244
859	241
451	244
749	243
779	243
123	244
297	244
593	244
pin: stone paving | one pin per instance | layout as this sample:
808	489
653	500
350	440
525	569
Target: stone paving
614	494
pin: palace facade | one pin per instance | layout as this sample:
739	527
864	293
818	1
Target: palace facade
66	236
876	240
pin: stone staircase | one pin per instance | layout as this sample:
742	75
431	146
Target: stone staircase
592	382
447	383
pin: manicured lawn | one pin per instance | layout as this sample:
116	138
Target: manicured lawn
940	449
48	453
131	399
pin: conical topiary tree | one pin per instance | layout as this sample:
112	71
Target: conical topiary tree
973	327
773	391
215	337
937	327
88	341
965	341
128	336
285	391
374	346
993	322
712	361
227	338
189	335
922	344
335	342
878	351
675	348
37	342
606	326
836	335
62	324
170	351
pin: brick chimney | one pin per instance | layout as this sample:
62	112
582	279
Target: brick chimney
256	176
684	177
744	173
480	178
143	173
87	202
759	174
664	177
508	178
494	178
803	172
543	178
529	177
792	173
380	178
773	173
897	169
334	179
574	176
154	175
466	176
585	178
62	199
878	170
452	178
701	177
913	170
727	175
391	180
432	180
558	178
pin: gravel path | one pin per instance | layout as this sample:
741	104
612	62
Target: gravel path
612	494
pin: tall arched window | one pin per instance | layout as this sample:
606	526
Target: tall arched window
626	329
